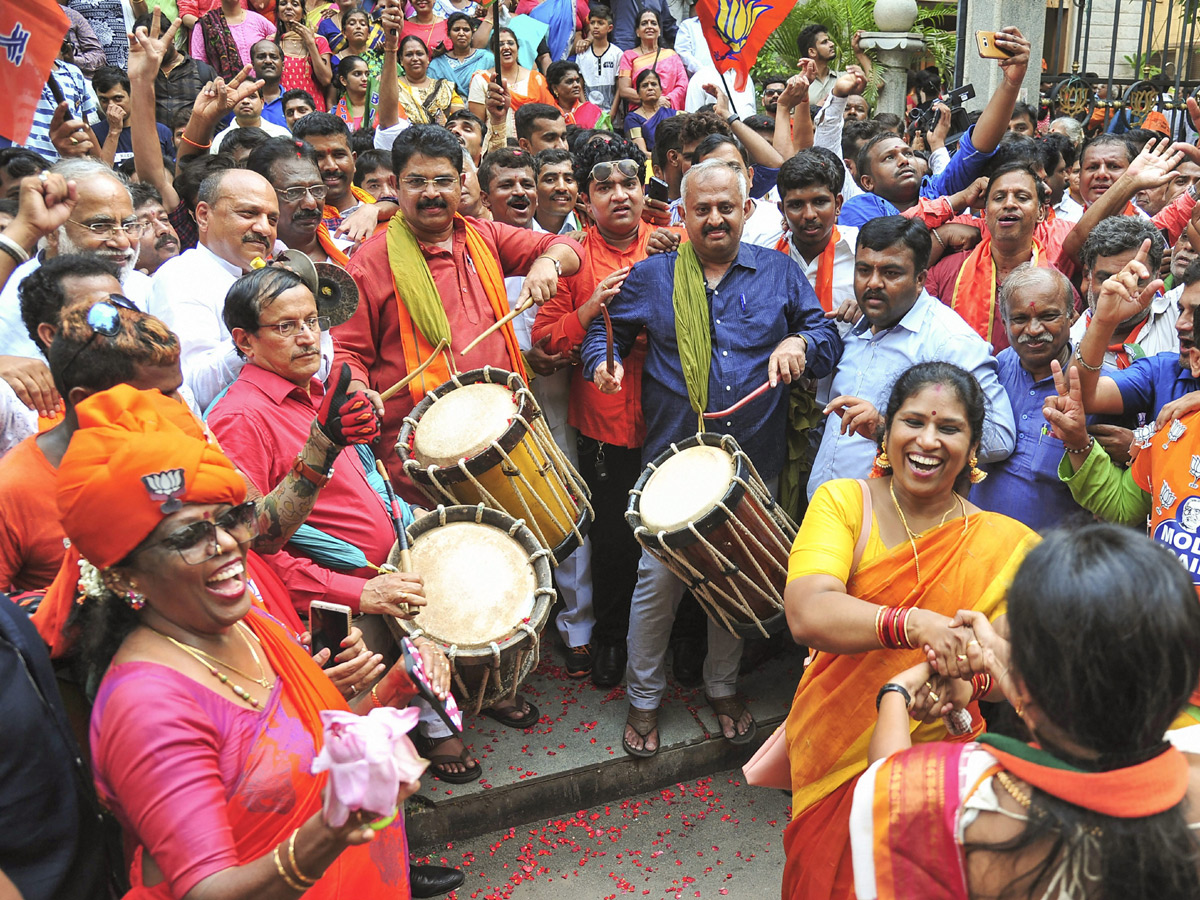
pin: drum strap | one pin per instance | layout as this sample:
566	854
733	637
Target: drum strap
864	531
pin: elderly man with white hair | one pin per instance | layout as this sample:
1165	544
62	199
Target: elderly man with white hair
1035	306
722	317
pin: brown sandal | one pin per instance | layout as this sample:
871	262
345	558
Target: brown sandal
732	708
643	722
438	761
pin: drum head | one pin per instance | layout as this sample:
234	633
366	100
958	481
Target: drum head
479	582
462	423
685	487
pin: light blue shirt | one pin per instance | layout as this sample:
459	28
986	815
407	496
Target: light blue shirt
870	365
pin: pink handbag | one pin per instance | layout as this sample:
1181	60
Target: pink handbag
770	767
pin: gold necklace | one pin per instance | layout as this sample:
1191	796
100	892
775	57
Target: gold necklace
207	660
912	538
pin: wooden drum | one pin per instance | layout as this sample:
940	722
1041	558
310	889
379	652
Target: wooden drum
702	509
487	583
481	438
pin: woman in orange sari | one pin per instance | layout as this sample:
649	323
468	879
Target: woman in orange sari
206	722
877	573
1104	653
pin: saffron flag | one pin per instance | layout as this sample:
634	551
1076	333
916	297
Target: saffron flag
31	34
736	31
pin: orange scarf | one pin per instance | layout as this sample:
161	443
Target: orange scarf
329	213
974	296
824	285
325	239
417	348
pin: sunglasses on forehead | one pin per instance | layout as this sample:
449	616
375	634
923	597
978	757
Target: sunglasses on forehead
103	318
603	171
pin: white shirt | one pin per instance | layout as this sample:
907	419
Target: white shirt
696	97
764	225
1068	209
691	45
827	133
17	421
385	137
269	127
1158	333
15	339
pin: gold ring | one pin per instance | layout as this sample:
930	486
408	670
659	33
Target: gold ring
933	696
74	140
961	658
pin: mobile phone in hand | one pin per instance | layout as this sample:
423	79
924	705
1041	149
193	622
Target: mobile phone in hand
329	625
657	189
986	40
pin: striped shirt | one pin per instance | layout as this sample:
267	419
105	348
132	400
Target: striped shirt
81	104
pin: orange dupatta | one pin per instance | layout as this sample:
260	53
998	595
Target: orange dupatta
417	348
974	296
824	285
325	239
379	868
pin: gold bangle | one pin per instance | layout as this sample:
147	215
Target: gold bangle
295	886
379	704
300	876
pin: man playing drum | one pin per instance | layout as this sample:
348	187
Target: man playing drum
435	275
721	318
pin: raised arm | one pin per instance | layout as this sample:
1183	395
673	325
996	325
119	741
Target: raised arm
389	86
759	148
996	115
212	103
146	52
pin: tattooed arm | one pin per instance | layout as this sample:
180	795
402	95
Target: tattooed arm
284	510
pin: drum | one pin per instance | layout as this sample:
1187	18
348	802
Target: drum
702	509
481	438
487	583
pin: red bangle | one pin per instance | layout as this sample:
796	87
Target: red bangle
981	686
891	627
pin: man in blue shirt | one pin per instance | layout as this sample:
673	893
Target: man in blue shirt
902	324
885	164
1035	305
765	324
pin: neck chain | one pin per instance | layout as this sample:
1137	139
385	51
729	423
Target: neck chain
210	662
912	538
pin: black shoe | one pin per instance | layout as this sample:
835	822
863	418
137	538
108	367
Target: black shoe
609	666
579	661
687	662
433	881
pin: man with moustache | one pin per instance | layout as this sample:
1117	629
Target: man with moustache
291	168
470	131
159	241
102	223
901	325
267	59
556	193
508	186
747	314
236	217
1035	306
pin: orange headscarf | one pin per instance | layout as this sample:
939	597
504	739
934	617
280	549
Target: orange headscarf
136	456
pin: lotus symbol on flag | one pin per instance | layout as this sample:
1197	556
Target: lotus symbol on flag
735	21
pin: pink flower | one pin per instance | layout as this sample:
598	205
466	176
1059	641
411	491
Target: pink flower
367	758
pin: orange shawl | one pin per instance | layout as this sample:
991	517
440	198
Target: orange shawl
325	239
257	830
824	285
833	712
417	348
974	296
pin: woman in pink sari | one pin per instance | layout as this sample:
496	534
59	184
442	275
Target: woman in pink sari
649	55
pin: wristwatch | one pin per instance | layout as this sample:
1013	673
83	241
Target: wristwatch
556	263
308	473
731	118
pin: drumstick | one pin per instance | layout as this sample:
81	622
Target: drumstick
500	323
608	338
401	534
403	382
753	395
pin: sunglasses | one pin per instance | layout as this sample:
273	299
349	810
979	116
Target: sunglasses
197	543
103	318
603	171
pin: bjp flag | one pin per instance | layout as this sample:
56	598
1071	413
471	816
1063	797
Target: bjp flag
31	35
736	30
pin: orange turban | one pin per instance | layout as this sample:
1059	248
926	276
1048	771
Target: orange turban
136	457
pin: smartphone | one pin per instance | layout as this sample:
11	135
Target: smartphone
987	46
447	710
329	625
657	189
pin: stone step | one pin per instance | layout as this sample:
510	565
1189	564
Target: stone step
573	758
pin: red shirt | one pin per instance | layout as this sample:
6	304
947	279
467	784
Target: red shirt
262	422
370	340
31	537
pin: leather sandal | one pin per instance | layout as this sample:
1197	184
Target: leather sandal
733	708
438	761
642	721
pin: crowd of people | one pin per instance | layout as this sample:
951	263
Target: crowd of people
950	359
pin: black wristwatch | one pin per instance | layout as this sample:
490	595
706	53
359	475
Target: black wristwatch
731	118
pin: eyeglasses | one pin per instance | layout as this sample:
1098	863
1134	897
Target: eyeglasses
296	194
315	324
443	184
108	230
197	543
603	171
103	318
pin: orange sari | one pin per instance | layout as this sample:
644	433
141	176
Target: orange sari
833	712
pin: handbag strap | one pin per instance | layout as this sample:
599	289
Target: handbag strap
864	531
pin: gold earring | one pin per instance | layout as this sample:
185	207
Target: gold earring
882	464
977	474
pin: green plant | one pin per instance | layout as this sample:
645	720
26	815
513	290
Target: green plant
843	18
1137	62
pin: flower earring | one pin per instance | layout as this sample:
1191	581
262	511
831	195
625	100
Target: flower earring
977	474
883	465
135	600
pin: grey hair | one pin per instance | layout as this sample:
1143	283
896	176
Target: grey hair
79	168
210	188
1120	234
1028	277
1071	128
709	166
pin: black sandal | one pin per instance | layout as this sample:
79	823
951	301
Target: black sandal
511	719
437	761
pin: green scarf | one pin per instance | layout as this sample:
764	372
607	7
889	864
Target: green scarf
415	282
691	326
